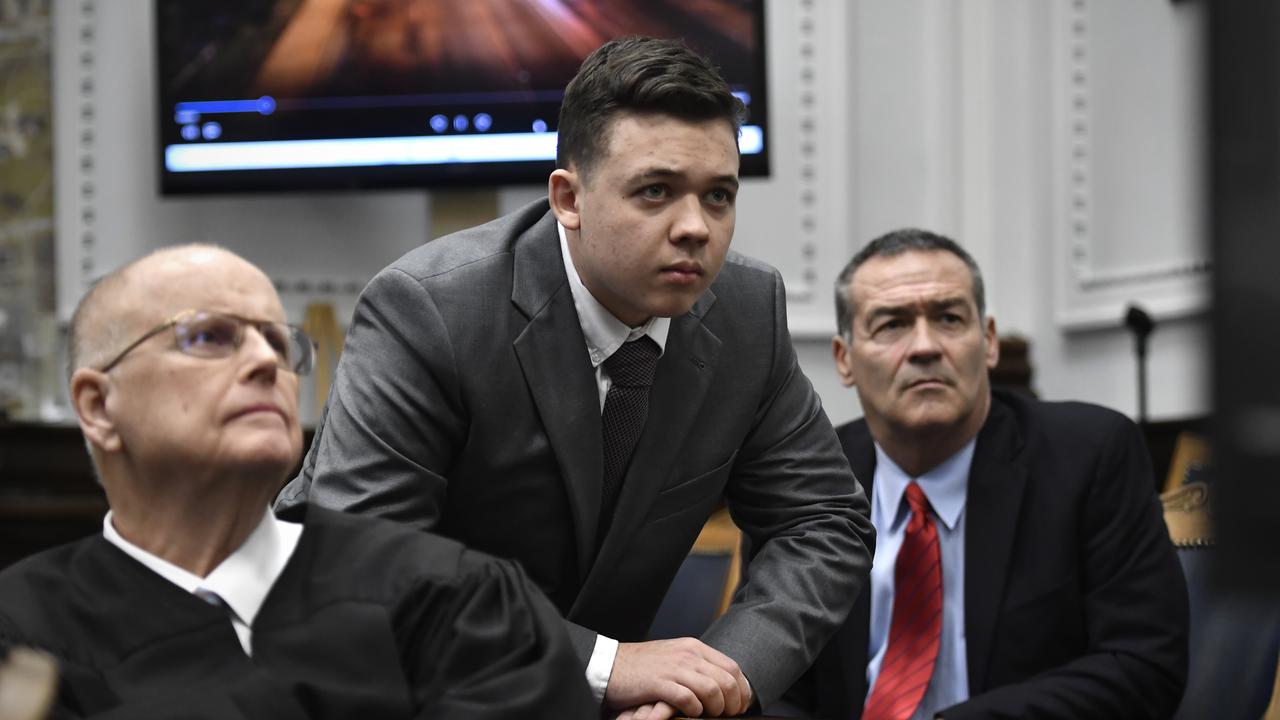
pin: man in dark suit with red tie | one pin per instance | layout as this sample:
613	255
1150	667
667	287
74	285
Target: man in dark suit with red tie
1022	568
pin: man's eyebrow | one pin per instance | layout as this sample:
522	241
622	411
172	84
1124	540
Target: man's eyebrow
889	311
947	303
655	173
909	308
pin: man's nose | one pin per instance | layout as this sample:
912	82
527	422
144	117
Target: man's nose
924	342
264	361
690	223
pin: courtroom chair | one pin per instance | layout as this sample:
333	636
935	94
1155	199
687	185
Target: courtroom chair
705	582
1190	458
1013	371
1234	641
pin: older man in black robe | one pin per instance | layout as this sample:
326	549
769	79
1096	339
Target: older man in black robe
196	601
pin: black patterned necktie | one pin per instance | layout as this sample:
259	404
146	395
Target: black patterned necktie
631	369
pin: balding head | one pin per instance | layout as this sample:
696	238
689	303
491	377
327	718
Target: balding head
162	408
112	311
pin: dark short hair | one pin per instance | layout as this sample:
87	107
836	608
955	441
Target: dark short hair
896	243
642	75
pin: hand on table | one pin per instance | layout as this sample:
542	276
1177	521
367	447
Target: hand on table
648	711
654	680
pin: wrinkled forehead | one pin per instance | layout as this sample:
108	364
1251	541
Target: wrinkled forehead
205	279
911	278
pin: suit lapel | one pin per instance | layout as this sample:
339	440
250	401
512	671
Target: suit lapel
860	450
552	354
996	482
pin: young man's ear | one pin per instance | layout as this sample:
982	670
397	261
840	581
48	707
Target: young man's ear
844	368
89	392
563	188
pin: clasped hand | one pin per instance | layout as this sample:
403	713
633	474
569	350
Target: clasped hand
654	680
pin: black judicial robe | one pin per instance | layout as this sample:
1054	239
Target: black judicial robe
368	620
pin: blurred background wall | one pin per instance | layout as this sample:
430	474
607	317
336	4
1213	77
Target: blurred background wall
1061	141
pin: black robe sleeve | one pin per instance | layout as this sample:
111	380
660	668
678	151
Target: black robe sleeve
491	646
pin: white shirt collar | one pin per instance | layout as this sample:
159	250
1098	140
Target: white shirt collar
604	332
945	485
243	579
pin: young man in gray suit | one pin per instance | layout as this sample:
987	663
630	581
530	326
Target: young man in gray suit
476	397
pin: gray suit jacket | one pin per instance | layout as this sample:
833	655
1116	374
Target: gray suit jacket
465	402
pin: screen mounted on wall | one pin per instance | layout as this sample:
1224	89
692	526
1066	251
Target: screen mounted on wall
320	94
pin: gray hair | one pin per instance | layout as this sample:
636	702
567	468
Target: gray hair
897	243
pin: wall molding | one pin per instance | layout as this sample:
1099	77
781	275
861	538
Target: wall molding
801	289
77	211
1091	293
809	100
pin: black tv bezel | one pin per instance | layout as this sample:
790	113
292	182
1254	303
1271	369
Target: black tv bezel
423	176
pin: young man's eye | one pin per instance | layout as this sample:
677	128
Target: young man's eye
720	196
654	192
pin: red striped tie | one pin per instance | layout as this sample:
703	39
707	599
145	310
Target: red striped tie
917	619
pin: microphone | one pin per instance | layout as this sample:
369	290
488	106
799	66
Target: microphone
1141	325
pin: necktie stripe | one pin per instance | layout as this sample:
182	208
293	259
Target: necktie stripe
907	676
919	578
905	685
919	628
917	649
913	604
904	663
916	628
915	550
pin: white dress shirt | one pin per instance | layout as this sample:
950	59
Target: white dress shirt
604	334
241	581
945	486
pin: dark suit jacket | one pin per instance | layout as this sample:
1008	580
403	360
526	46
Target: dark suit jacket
465	402
1075	605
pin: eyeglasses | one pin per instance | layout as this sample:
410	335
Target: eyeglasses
208	334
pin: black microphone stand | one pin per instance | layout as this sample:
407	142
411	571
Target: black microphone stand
1140	324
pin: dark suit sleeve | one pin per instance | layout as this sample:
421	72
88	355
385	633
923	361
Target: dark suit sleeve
1134	607
807	521
490	646
393	415
393	418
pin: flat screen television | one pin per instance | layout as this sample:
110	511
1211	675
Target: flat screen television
261	95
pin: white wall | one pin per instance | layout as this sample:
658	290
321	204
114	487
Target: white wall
1057	140
1061	143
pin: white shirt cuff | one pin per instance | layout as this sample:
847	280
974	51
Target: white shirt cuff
600	667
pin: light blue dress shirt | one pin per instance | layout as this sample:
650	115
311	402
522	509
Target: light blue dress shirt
945	487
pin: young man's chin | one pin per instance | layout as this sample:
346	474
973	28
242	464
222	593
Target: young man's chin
676	306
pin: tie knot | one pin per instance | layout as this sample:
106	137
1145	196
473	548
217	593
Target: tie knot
210	597
917	500
633	364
